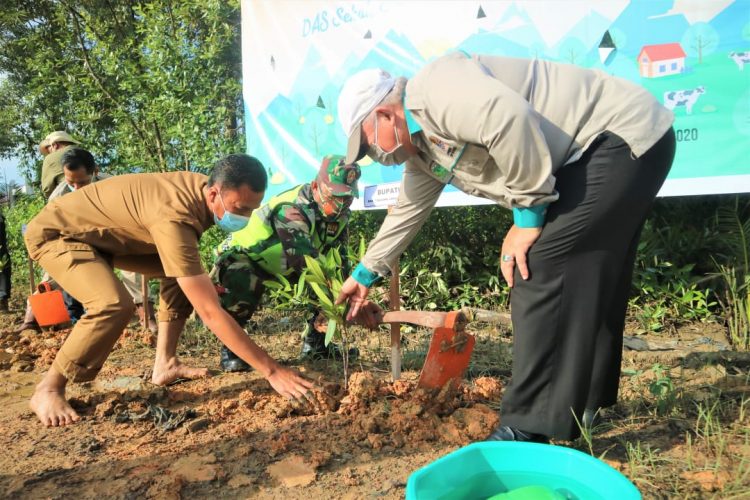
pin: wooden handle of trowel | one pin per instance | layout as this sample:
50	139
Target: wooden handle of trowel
430	319
486	316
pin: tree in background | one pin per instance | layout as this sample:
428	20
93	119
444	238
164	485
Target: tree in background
148	86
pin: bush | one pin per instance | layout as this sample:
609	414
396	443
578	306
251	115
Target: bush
23	210
453	261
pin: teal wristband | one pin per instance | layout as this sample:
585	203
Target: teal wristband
364	276
529	217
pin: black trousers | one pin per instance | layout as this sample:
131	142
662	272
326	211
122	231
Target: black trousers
569	316
5	270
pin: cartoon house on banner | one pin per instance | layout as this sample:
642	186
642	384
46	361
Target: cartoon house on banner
661	60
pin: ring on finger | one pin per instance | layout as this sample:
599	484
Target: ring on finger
507	258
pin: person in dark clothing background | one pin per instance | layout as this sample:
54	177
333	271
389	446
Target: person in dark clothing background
5	274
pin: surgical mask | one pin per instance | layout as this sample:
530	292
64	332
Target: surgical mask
396	156
71	187
230	222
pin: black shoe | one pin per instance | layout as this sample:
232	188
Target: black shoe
505	433
230	362
314	347
591	418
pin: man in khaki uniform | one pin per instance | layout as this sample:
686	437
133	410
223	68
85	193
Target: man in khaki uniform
577	154
149	223
52	148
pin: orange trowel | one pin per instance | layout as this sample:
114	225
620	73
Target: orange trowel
450	348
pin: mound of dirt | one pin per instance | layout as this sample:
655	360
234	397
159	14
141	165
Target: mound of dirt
398	414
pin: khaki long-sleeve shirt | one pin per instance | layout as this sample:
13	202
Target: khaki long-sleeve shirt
499	128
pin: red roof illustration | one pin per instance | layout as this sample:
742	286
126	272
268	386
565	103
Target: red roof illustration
663	51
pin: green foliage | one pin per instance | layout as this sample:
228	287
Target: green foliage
662	389
146	85
208	244
318	287
734	224
24	209
672	278
668	295
453	262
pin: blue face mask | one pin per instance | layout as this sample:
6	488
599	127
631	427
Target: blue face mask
230	222
72	188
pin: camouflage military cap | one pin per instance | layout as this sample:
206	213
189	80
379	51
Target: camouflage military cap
338	176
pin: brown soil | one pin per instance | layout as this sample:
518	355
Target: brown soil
242	439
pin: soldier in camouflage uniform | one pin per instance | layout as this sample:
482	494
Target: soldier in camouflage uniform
305	220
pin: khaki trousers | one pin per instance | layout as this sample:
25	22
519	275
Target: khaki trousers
89	277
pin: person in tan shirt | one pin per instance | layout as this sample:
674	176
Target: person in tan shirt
578	156
148	223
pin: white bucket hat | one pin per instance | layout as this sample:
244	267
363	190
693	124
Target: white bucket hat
56	136
359	96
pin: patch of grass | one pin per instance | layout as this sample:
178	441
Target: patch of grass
196	339
678	439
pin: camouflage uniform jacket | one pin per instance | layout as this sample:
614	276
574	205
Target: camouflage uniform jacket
297	229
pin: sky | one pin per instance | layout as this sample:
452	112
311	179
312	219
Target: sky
8	166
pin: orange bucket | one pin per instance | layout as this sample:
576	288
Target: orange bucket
48	306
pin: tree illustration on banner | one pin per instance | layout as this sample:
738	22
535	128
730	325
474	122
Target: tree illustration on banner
700	40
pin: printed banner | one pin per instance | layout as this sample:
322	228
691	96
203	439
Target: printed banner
693	55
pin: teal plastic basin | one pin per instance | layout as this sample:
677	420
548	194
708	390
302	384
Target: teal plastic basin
483	470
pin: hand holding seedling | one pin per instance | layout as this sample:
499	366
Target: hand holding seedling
370	315
515	247
356	294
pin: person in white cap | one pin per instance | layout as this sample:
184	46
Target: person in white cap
52	148
579	157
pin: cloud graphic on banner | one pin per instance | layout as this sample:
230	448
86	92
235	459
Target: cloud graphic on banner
696	10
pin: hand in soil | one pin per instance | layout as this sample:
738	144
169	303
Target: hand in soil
168	371
52	408
290	383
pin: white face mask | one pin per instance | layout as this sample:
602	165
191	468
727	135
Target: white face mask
396	156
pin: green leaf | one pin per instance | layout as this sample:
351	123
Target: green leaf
300	288
313	266
284	282
336	286
330	331
362	247
322	295
311	278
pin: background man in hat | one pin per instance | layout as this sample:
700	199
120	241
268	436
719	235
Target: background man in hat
52	148
579	157
308	219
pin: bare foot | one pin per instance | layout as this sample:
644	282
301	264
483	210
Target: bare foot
50	406
168	371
